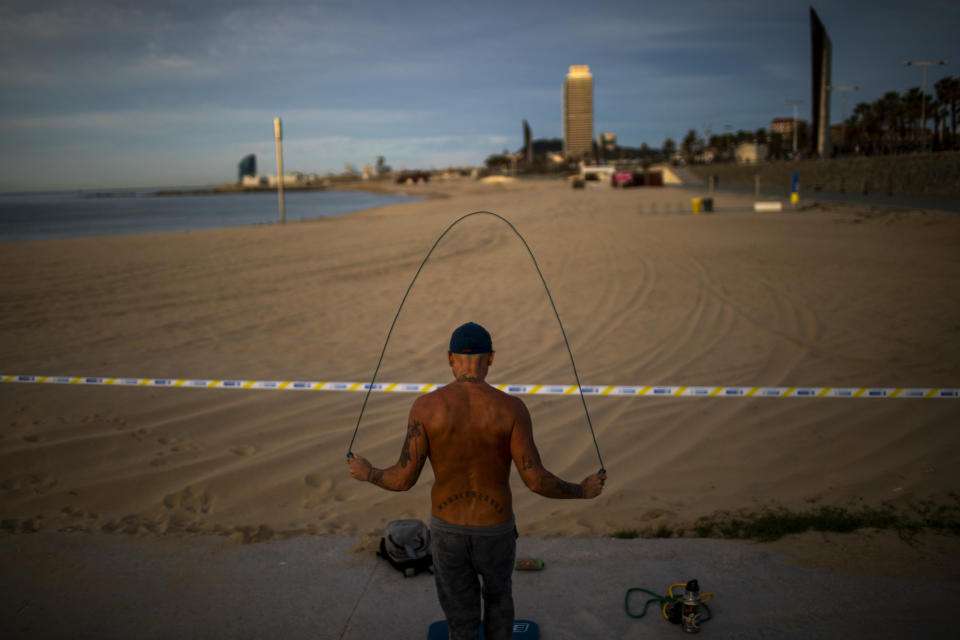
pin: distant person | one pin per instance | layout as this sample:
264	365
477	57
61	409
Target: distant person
471	432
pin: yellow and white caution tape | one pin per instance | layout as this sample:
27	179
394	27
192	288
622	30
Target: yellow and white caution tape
658	391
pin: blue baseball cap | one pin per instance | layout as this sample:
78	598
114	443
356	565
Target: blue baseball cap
470	338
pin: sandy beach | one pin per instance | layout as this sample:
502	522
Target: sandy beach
648	294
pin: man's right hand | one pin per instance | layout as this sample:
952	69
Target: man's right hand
593	484
360	467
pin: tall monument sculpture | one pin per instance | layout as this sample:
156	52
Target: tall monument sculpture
578	113
820	67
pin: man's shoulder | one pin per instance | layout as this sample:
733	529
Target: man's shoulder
454	392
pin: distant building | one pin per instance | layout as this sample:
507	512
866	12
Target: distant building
821	52
247	167
784	126
291	179
705	156
255	181
751	152
606	146
578	113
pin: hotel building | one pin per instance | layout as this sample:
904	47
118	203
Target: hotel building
578	113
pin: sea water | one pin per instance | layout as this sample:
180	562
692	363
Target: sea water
40	216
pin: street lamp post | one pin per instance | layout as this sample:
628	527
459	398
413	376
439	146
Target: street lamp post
278	134
795	103
923	94
843	110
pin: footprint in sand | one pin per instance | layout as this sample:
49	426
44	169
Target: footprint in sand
653	514
179	446
37	482
319	481
186	447
243	451
194	499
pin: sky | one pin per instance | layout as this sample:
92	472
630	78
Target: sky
100	93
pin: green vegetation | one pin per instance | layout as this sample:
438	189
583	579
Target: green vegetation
662	531
772	523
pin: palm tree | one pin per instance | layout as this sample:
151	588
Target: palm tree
937	113
891	108
690	144
913	102
669	148
948	95
869	119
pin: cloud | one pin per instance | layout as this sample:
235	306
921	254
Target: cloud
132	121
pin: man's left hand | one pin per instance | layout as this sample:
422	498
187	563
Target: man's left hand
593	484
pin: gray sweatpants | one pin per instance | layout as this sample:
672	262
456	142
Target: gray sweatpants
461	557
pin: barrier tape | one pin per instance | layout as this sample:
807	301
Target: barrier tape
659	391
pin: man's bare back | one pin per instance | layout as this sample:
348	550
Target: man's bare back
462	420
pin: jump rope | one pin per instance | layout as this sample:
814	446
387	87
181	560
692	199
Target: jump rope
545	288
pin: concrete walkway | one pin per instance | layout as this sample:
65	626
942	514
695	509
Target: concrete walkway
56	585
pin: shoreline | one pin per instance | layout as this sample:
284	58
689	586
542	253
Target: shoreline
242	224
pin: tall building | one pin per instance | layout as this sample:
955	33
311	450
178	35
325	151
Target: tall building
578	113
821	50
247	167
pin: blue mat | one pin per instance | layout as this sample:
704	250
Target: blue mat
522	630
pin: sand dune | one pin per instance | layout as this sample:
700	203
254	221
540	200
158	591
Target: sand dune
647	294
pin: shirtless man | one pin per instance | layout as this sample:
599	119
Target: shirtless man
472	432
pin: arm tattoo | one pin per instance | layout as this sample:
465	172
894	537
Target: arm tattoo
568	489
405	452
413	431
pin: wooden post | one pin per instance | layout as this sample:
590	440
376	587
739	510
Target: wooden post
278	134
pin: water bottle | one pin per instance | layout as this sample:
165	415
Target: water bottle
691	608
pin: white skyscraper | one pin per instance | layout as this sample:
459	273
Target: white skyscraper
578	113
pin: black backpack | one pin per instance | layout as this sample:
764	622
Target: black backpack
407	547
